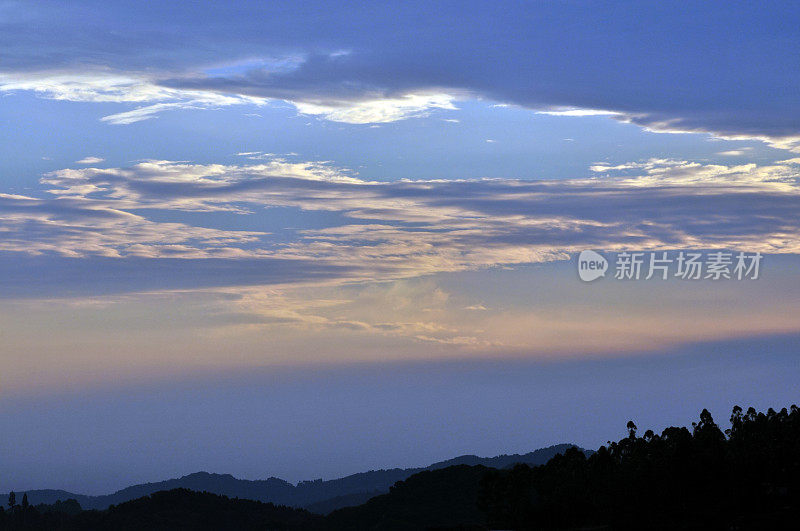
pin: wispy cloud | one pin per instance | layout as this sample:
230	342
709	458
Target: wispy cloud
383	110
143	113
735	152
102	87
578	112
76	227
90	160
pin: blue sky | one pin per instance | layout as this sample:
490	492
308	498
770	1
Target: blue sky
225	193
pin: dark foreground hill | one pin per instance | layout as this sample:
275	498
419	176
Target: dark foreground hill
178	509
317	496
444	498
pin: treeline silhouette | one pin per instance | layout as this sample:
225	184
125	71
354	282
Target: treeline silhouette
747	477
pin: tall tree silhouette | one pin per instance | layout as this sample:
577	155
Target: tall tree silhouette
631	429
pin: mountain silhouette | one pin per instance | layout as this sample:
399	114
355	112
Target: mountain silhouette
745	478
316	496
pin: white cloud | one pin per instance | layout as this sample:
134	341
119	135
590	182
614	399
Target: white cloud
578	112
383	110
141	113
90	160
86	87
102	87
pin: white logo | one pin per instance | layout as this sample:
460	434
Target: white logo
591	266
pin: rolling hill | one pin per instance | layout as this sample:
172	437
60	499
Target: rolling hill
317	496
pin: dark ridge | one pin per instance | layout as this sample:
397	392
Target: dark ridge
316	495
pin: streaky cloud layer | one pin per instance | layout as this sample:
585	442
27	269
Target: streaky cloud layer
407	228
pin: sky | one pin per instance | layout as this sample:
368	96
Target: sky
302	240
